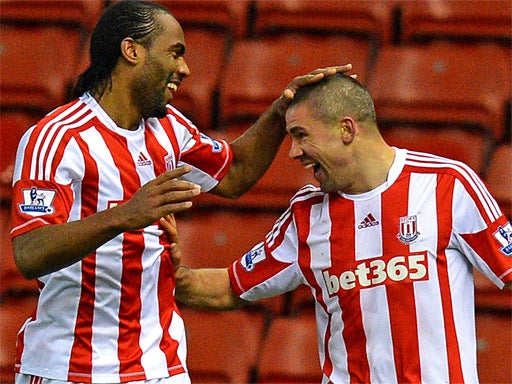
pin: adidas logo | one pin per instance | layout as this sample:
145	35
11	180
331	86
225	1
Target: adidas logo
368	221
143	160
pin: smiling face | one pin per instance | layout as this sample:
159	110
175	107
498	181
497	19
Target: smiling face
163	69
319	146
333	128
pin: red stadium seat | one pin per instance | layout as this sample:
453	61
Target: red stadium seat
214	238
222	346
12	126
13	313
77	13
289	353
299	300
488	297
499	177
372	19
196	95
439	84
228	15
478	21
258	70
494	341
40	61
12	282
467	145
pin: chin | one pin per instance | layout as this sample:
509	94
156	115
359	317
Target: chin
328	188
159	113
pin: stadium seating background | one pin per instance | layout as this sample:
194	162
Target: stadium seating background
440	72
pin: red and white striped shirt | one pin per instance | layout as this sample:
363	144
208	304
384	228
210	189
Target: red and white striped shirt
390	270
111	317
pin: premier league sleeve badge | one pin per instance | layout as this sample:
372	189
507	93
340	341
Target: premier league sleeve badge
37	201
504	236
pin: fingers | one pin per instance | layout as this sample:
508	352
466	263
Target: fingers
172	197
168	223
174	190
329	71
172	174
301	81
175	256
313	77
162	196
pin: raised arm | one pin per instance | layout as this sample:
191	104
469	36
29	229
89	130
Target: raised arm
255	149
52	247
206	288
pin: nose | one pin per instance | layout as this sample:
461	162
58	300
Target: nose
295	150
183	68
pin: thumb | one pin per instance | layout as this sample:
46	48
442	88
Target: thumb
176	256
168	224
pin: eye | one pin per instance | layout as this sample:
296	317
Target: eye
301	135
177	51
298	133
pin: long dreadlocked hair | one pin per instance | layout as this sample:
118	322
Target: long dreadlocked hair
129	18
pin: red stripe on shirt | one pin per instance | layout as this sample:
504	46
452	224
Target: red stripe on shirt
167	310
343	245
444	200
302	213
401	301
129	351
81	351
167	126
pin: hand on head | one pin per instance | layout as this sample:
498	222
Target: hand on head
310	78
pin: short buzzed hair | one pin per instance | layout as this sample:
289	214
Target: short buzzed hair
337	96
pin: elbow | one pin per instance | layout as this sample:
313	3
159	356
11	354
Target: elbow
232	192
233	187
23	259
235	194
24	268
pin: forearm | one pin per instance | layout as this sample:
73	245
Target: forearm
53	247
253	152
206	289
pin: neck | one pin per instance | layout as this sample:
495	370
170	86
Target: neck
373	165
120	107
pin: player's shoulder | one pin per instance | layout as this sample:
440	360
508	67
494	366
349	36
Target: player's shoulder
72	115
307	194
176	117
423	162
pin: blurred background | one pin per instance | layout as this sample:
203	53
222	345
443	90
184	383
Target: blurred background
440	72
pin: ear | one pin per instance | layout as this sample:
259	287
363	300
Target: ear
348	130
130	50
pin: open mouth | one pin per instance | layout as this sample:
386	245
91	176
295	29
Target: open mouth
315	166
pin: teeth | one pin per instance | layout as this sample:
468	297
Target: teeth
309	165
172	86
